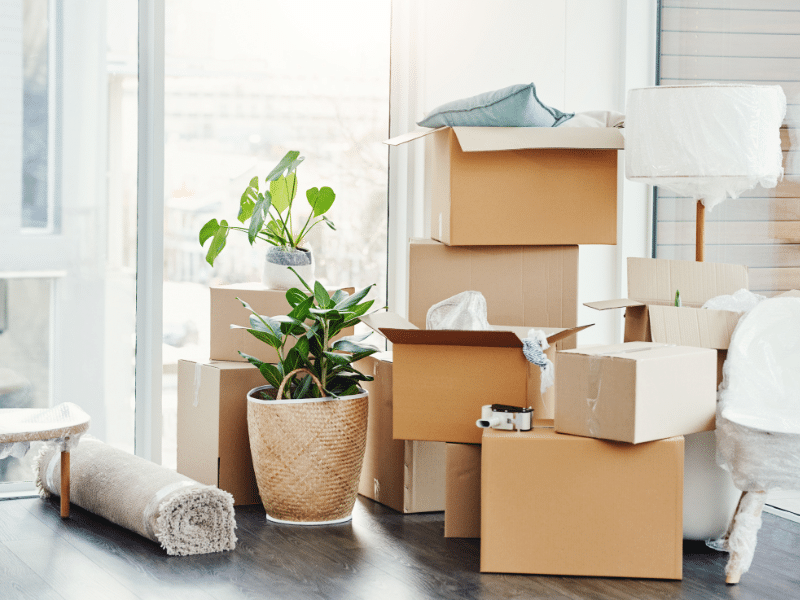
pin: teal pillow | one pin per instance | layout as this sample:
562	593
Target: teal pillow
515	106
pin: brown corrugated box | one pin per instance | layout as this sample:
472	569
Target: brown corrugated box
522	186
651	314
462	500
523	285
442	378
636	392
555	504
213	445
407	476
227	310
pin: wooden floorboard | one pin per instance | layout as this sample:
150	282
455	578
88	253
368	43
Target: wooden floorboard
381	554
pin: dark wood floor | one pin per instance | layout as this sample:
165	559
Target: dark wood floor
382	554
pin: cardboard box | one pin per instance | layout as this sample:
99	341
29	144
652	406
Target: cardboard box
522	186
404	475
213	444
650	311
443	377
555	504
636	392
227	310
462	508
523	285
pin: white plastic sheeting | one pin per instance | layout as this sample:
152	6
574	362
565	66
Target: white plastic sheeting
465	311
740	301
709	142
758	414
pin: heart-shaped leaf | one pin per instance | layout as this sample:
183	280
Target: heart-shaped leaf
322	201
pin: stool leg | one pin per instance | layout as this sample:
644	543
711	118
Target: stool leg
744	534
64	485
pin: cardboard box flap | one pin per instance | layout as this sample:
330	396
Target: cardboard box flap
411	136
654	281
450	337
607	304
488	139
693	326
386	319
554	335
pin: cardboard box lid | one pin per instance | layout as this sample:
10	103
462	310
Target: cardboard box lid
654	281
489	139
400	331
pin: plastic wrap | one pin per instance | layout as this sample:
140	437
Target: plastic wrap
63	424
741	539
740	301
758	414
709	142
533	348
464	311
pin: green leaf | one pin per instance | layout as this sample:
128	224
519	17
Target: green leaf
322	201
275	229
295	297
218	242
259	214
288	163
247	200
354	299
338	296
264	336
303	347
300	312
305	388
293	360
330	313
272	374
329	223
280	196
311	196
359	337
251	359
348	346
291	186
303	281
208	230
321	294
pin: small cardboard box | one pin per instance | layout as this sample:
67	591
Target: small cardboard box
522	186
213	444
636	392
555	504
226	310
462	500
651	314
404	475
523	285
442	378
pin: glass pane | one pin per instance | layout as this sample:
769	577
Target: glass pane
36	114
762	228
244	86
67	318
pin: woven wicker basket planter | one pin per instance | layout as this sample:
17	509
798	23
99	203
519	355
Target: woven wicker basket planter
307	456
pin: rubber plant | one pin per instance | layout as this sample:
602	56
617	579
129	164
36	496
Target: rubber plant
268	214
315	320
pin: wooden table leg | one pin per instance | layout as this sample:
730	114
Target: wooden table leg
700	233
64	485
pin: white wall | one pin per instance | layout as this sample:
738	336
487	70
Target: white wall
581	54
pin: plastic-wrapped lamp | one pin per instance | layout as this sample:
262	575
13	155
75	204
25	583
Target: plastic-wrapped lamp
709	142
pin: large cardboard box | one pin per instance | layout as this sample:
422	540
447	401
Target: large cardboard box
442	378
523	285
555	504
462	501
522	186
636	392
213	444
407	476
227	310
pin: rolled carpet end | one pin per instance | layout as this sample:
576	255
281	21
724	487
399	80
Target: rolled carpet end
184	516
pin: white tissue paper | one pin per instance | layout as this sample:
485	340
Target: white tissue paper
758	413
740	301
465	311
709	142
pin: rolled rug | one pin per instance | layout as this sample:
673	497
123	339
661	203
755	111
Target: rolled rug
184	516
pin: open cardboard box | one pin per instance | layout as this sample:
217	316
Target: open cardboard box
523	285
544	185
650	311
442	378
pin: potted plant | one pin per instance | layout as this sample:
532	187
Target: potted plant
308	426
269	217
